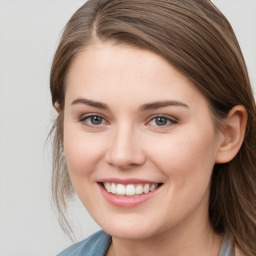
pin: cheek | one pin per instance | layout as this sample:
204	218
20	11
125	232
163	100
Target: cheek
82	152
187	162
187	158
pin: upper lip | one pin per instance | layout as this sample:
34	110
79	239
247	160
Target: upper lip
127	181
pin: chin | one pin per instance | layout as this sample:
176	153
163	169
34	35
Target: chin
130	230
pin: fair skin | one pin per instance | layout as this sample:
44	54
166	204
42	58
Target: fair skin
132	118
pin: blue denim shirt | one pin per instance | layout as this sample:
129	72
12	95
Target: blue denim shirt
98	244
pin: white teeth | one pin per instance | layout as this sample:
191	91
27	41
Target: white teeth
130	189
146	188
139	190
153	187
120	189
107	186
113	188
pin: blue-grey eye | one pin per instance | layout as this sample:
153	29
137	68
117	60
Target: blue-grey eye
161	121
95	120
92	120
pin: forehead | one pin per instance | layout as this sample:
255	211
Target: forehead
110	71
111	58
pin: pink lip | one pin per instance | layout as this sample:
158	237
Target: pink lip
126	201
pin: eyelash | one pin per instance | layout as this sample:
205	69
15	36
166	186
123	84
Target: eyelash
170	121
84	118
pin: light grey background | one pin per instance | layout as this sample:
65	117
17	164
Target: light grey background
29	33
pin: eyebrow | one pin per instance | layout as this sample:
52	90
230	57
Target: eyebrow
145	107
162	104
90	103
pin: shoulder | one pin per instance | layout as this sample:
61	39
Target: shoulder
226	248
96	244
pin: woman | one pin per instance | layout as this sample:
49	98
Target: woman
155	129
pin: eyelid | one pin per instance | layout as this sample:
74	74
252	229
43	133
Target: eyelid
82	119
85	116
173	120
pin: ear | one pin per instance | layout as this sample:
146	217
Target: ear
233	134
57	106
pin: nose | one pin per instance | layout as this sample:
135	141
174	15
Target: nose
125	150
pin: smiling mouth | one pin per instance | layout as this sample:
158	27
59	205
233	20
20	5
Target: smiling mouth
129	190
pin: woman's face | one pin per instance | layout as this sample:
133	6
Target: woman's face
137	126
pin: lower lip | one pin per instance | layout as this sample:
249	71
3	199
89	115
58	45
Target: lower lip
126	201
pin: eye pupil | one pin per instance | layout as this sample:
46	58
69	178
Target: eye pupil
161	121
96	120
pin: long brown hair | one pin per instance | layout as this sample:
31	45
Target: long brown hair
196	38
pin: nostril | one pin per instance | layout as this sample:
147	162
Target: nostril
125	159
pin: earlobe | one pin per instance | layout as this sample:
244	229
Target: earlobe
233	134
57	106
